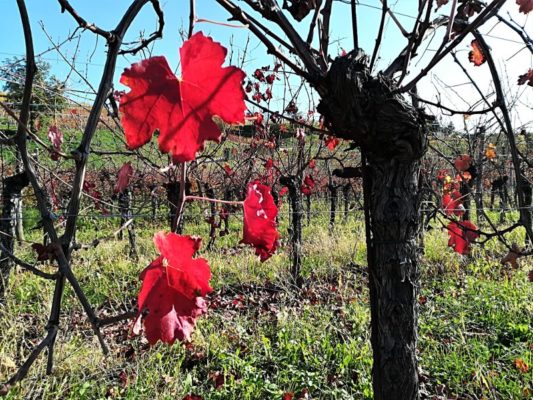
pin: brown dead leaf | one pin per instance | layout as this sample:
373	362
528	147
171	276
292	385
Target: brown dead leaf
511	256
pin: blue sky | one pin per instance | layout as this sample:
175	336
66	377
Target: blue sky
90	51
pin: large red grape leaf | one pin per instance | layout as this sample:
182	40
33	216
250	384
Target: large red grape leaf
182	109
167	314
170	298
462	233
185	274
259	226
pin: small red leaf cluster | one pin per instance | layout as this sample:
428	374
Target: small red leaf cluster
308	185
452	203
263	75
462	162
181	109
259	228
476	55
331	142
171	296
124	176
90	188
56	137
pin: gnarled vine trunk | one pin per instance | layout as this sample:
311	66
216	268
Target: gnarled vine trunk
293	183
391	134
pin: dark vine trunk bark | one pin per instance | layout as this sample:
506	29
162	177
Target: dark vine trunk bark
346	197
297	215
391	134
173	198
11	194
308	208
333	194
393	267
210	193
478	179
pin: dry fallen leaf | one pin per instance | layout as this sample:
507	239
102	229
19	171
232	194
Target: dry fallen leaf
511	256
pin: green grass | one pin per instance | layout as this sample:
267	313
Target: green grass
263	338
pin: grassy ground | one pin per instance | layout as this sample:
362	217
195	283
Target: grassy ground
262	338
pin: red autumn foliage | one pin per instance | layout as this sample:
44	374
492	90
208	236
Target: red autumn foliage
259	226
462	233
525	6
90	189
189	276
308	185
124	177
169	301
476	55
452	203
442	174
526	78
182	108
56	137
269	163
228	169
331	142
462	162
312	164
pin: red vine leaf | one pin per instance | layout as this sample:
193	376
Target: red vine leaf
182	109
462	162
526	78
462	233
476	55
331	142
187	275
269	164
169	301
452	203
308	185
124	177
228	170
525	6
167	314
56	137
259	227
